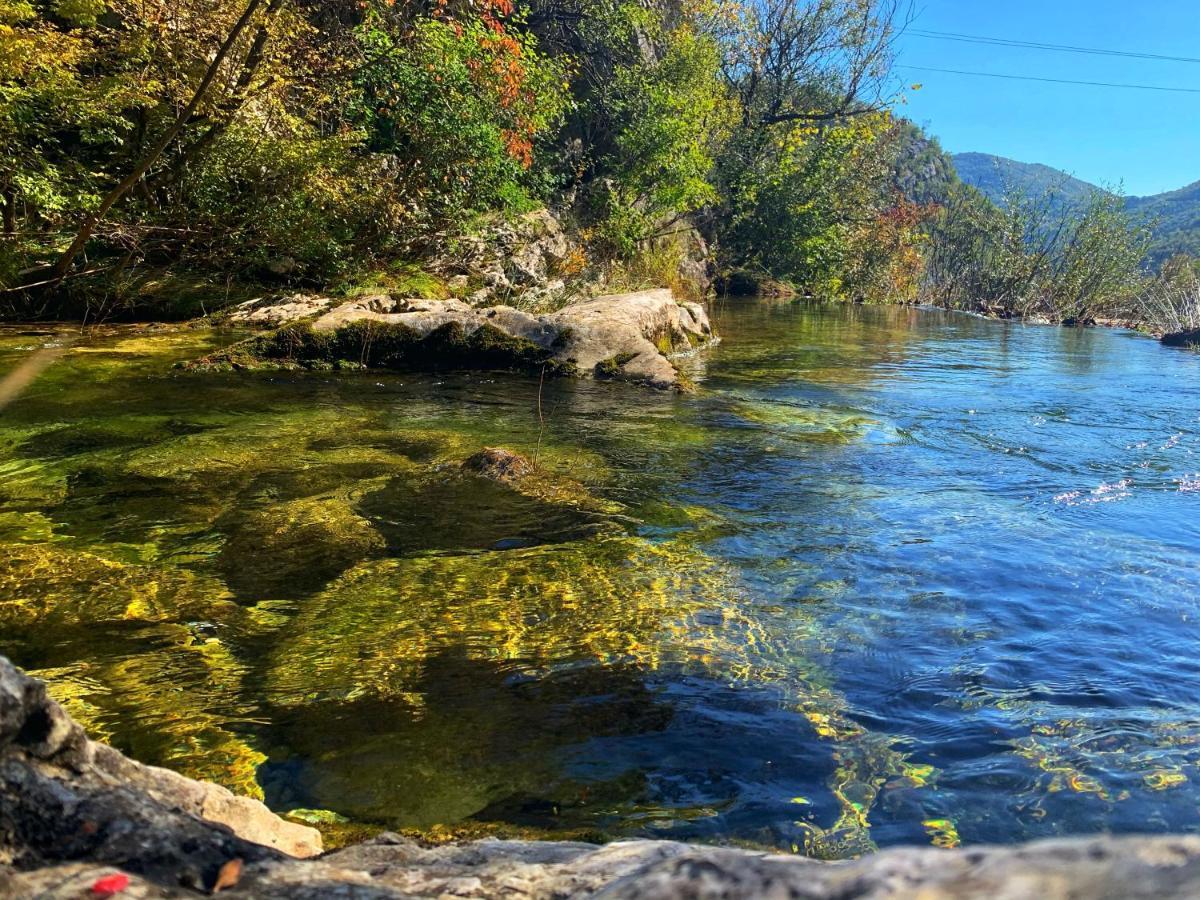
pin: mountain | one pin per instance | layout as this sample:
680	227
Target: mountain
995	175
1178	220
1176	214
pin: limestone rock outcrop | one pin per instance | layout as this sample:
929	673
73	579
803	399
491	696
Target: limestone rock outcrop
629	337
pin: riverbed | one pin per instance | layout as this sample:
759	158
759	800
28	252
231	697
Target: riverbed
889	576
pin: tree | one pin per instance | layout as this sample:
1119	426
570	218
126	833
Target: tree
63	266
1036	256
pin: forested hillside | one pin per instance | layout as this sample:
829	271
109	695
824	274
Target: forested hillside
994	175
1176	217
925	172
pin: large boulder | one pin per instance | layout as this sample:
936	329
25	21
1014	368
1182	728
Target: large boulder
624	336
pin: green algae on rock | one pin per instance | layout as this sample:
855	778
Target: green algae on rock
285	550
384	345
50	585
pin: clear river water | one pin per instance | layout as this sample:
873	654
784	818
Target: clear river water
890	576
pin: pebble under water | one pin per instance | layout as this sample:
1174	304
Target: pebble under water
891	576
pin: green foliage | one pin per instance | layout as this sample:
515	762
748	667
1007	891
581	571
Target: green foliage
316	200
336	138
454	109
650	114
671	116
333	135
80	13
401	278
796	212
1034	256
1170	303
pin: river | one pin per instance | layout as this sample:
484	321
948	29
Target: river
890	576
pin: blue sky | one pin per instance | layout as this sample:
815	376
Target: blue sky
1146	140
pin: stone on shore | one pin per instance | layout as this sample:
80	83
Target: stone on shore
623	336
64	798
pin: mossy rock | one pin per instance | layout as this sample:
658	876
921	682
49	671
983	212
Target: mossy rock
292	549
611	368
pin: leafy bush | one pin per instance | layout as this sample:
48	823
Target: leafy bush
1033	256
454	108
317	203
651	111
799	212
671	115
1170	303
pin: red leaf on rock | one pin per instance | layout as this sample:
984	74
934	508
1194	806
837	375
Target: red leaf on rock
229	876
110	884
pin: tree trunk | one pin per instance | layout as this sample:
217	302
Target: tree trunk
241	90
63	266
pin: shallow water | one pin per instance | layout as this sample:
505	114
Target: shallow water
892	576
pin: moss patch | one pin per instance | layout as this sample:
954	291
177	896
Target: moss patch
611	367
403	279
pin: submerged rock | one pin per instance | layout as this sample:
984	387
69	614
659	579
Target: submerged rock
626	336
1189	338
73	812
498	464
291	549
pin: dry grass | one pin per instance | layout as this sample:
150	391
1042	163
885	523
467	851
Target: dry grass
1171	306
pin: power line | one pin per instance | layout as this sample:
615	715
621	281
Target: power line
1106	84
1039	45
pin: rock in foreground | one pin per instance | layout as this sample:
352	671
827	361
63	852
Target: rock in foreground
76	815
623	336
64	797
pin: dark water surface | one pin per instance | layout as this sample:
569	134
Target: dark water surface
892	576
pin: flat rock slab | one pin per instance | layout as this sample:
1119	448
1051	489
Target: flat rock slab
271	312
629	337
1151	868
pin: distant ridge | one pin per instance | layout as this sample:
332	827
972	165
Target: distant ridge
1177	212
994	174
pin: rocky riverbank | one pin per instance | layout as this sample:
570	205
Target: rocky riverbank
630	337
78	819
